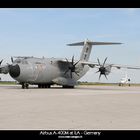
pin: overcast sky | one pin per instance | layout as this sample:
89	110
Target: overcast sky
45	32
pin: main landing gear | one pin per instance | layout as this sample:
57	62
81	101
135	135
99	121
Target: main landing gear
25	85
68	86
44	86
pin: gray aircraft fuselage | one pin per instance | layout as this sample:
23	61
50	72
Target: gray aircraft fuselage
44	71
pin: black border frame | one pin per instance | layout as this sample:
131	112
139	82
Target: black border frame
69	4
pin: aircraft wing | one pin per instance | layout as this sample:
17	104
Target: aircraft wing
91	64
126	66
118	66
96	65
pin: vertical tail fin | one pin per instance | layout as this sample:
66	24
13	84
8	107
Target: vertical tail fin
87	47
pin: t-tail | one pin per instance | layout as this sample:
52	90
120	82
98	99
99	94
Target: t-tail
87	47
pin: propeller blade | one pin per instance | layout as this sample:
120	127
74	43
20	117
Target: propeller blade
73	60
97	71
98	62
66	71
12	59
104	61
100	76
76	73
1	61
105	76
67	59
76	63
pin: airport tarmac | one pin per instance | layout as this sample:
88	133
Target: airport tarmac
82	108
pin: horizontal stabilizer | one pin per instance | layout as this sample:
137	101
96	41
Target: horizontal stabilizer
76	44
87	47
93	43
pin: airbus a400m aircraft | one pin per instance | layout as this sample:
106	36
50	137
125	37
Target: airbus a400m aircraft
45	72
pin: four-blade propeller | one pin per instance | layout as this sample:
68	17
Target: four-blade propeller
71	67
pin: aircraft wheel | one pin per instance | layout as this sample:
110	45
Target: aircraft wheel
47	86
43	86
26	86
23	86
40	86
68	86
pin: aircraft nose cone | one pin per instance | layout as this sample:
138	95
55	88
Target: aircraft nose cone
14	70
